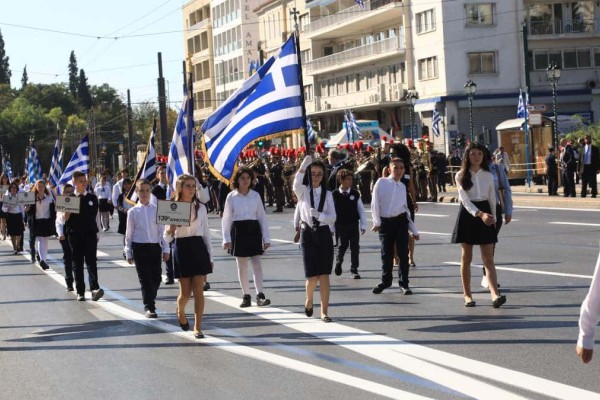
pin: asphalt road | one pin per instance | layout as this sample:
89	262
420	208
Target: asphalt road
427	345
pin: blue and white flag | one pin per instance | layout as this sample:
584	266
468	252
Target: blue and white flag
147	169
181	153
56	165
8	169
436	122
354	125
361	3
80	161
520	106
310	132
34	169
347	126
267	105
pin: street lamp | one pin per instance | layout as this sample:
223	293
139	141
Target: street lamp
411	100
553	76
470	88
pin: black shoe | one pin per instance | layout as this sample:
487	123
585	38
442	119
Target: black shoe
308	311
326	319
246	301
261	300
199	335
97	294
80	297
151	314
70	288
44	265
380	288
412	265
405	290
338	269
185	326
499	301
355	275
32	259
206	286
169	281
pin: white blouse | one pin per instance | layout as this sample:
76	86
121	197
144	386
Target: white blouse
590	312
103	191
13	209
483	189
327	216
242	208
42	207
198	227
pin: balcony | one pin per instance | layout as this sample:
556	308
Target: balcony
350	20
559	27
380	94
355	56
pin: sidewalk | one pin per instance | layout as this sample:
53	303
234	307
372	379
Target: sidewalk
536	195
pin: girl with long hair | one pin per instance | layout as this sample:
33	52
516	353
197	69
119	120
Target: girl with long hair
192	254
14	220
4	181
475	224
43	218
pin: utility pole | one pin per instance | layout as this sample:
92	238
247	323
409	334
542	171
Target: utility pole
161	136
132	152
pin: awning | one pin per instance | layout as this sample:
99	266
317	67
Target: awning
516	123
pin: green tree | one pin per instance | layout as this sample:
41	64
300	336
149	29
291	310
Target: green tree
24	78
50	96
73	71
83	91
5	73
7	96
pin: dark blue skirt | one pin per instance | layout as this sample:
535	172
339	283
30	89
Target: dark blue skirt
472	230
191	257
246	238
317	250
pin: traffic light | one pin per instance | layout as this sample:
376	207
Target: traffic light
461	141
453	142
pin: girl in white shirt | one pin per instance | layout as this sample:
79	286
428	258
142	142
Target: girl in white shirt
43	217
14	219
4	181
245	233
104	193
192	254
475	224
317	212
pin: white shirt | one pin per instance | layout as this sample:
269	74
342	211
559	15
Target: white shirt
60	223
242	208
116	191
483	188
142	228
590	311
327	216
42	207
587	155
103	191
389	200
361	209
198	227
13	209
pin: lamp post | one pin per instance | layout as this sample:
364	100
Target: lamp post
553	73
411	100
470	88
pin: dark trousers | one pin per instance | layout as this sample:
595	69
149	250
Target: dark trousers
279	197
588	178
148	258
348	235
552	184
83	248
569	183
169	263
68	262
393	234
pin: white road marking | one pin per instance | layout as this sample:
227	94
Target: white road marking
530	208
431	215
529	271
283	241
573	223
435	233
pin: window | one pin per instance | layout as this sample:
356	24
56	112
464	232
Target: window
304	20
351	80
597	57
482	63
308	92
341	85
428	68
480	14
584	58
305	56
425	21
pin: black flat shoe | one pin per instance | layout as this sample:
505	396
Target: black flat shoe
185	326
380	288
308	311
470	303
199	335
499	301
326	319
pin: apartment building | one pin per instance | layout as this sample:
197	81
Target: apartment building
198	39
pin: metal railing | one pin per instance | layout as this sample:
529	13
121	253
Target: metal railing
347	14
376	48
558	27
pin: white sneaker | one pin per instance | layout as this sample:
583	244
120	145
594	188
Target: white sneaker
484	282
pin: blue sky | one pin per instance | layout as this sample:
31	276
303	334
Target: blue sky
124	63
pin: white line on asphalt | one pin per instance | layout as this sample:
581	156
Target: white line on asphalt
529	271
436	233
573	223
530	208
431	215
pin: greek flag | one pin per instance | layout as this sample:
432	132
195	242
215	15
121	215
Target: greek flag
267	105
520	106
181	154
56	165
436	122
8	169
312	138
80	161
354	125
34	169
361	3
347	126
147	169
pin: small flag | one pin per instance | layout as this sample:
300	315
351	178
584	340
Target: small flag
520	106
147	169
56	165
354	125
361	3
8	169
268	104
436	122
310	132
34	169
347	125
180	160
80	161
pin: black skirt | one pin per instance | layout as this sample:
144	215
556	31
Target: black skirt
2	213
472	230
191	257
246	238
14	224
44	227
317	250
122	223
103	205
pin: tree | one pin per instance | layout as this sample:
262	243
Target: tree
83	91
5	73
24	78
73	71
